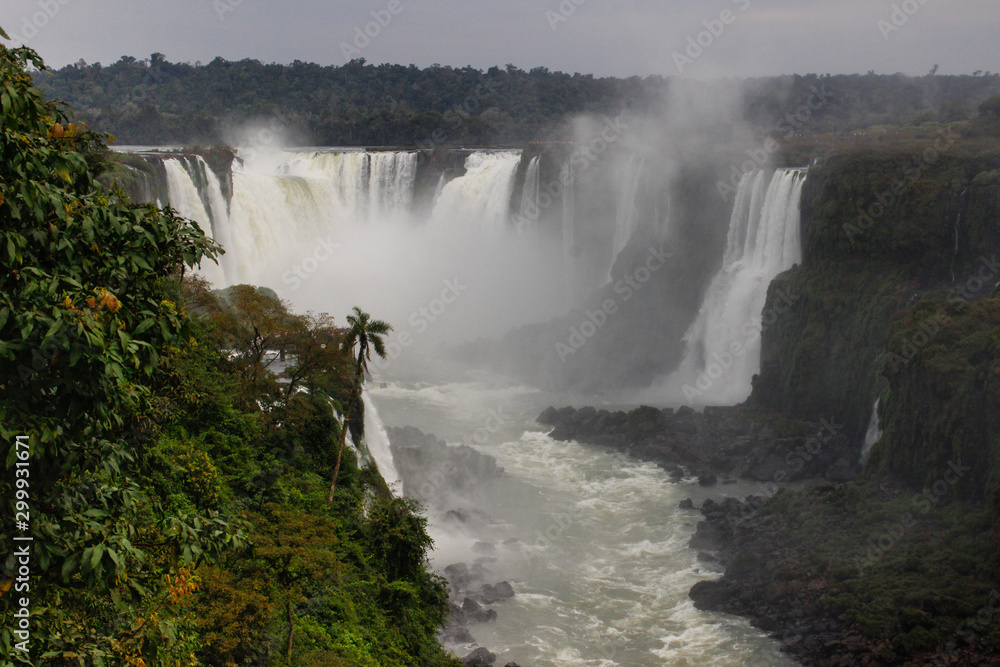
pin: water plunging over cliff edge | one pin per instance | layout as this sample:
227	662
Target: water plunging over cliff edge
722	352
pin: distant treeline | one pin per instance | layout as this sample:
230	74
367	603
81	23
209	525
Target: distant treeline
153	101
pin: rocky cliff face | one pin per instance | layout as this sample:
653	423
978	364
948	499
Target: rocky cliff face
884	229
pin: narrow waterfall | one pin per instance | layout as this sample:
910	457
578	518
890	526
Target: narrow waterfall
205	205
873	435
377	444
722	351
481	197
184	196
222	231
528	216
626	205
568	226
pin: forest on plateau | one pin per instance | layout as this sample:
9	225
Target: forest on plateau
154	101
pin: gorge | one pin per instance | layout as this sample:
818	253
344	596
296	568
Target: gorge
558	274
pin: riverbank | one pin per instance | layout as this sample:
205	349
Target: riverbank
844	572
857	574
721	444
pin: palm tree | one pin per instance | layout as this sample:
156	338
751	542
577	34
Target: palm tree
367	334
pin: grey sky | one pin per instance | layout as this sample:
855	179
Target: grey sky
602	37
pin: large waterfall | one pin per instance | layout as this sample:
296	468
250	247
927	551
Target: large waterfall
449	247
722	351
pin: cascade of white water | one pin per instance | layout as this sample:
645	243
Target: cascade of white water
186	199
184	195
221	228
873	435
626	209
391	184
480	197
722	351
440	186
528	216
343	177
273	214
568	225
377	443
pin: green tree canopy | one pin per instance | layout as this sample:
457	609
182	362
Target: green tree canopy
86	321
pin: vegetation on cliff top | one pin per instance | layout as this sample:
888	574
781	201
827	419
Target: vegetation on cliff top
176	488
154	101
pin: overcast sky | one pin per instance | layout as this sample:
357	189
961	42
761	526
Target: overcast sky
602	37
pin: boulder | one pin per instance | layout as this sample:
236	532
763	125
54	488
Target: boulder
481	657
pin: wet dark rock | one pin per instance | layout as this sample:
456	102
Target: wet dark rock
473	612
766	581
686	504
457	634
491	594
484	548
727	443
481	657
549	417
472	599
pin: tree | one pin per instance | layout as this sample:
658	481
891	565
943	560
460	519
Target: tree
366	334
87	319
990	107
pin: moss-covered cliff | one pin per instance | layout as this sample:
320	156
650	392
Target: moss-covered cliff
941	409
881	227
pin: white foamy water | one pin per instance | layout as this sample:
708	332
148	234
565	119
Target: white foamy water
377	443
593	542
722	352
481	197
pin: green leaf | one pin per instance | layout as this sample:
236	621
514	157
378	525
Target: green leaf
142	328
69	566
95	557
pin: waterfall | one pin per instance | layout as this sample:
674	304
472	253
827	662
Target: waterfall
480	197
377	444
722	352
271	215
528	216
184	196
568	225
391	184
873	435
626	209
369	186
297	199
205	205
221	228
